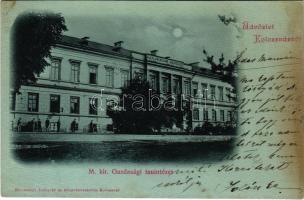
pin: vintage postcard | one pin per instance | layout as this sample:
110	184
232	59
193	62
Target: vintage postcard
147	99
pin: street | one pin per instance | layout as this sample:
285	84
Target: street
121	151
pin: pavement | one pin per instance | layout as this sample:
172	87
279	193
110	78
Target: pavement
97	138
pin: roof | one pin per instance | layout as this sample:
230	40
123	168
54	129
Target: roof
94	46
104	48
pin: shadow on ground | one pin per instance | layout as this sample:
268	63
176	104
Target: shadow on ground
135	152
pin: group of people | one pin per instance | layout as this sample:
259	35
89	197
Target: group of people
34	125
92	126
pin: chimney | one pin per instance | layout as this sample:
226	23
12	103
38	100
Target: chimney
195	64
154	52
84	40
118	44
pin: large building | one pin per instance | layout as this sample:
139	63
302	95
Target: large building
80	69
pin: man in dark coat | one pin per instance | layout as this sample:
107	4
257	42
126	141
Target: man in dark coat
47	124
73	125
58	125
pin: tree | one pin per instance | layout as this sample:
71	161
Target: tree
142	111
33	36
225	69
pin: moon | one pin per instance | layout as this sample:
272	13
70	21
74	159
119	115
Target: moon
177	32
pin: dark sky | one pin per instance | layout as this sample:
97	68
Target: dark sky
178	31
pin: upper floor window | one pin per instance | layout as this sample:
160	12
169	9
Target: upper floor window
212	91
205	112
55	69
139	74
214	115
176	85
166	84
93	73
33	102
54	103
221	94
196	114
109	77
228	94
75	71
229	116
187	87
74	103
222	113
205	90
153	79
124	77
194	88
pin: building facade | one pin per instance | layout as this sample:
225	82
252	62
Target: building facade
70	88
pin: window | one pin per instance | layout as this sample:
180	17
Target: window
205	114
109	77
54	103
75	71
154	80
212	88
229	116
53	126
221	94
222	113
55	69
124	77
166	84
196	114
228	94
194	88
33	101
139	74
213	115
176	85
93	74
93	106
74	101
204	90
187	87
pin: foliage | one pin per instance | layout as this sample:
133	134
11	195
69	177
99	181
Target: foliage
219	129
33	36
136	114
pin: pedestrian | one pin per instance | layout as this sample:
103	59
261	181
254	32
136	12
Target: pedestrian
58	125
19	125
91	126
73	125
39	125
31	125
35	125
47	124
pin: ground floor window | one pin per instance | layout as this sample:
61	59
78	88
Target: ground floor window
74	101
93	106
54	103
33	101
195	114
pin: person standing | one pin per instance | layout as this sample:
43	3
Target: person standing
39	125
47	124
35	125
91	126
58	125
73	125
19	125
